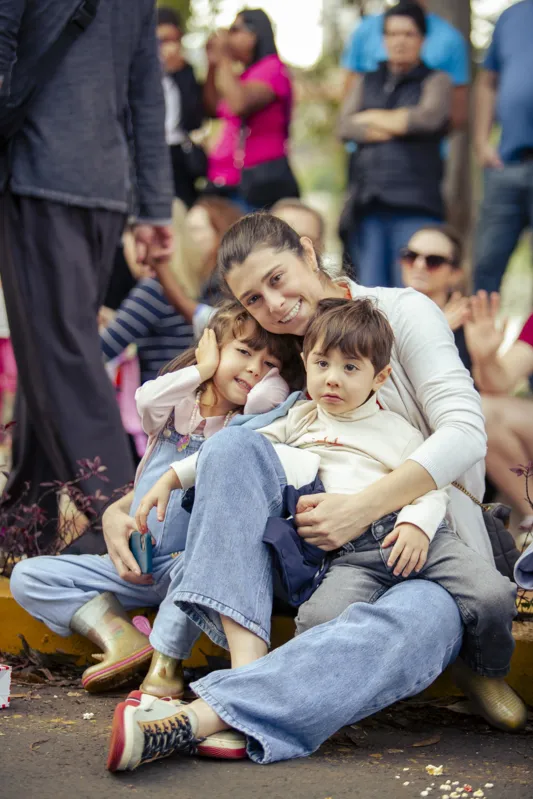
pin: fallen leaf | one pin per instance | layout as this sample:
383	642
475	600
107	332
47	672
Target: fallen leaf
17	716
394	751
19	696
36	744
48	674
73	693
378	755
428	741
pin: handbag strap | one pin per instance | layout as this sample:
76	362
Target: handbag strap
455	484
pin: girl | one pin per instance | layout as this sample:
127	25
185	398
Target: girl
235	368
294	698
256	107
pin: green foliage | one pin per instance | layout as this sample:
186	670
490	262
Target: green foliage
183	7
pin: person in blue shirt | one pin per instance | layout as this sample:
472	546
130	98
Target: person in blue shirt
445	49
504	94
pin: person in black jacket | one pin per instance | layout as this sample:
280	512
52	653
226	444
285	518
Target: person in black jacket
398	116
184	106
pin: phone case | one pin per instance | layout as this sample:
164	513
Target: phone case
141	548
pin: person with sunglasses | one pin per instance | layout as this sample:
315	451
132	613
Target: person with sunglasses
398	116
256	107
431	264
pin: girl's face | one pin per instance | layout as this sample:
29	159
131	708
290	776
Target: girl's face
240	368
403	41
241	41
418	274
200	232
281	290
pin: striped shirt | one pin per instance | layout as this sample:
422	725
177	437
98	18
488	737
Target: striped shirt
146	319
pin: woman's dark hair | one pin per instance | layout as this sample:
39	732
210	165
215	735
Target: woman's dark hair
453	237
167	16
230	321
411	10
258	231
356	327
259	23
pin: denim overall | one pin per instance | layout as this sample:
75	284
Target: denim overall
52	589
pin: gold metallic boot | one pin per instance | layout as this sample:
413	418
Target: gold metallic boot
125	650
164	678
492	698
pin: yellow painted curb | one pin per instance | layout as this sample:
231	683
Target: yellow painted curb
14	621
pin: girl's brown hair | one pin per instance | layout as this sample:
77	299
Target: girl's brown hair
258	231
231	321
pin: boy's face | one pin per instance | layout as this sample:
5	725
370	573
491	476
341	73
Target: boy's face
339	383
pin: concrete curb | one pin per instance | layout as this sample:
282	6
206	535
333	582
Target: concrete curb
14	622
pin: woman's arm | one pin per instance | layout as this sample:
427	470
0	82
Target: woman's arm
430	115
174	292
242	98
351	126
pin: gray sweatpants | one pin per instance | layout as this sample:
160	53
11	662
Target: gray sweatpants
485	598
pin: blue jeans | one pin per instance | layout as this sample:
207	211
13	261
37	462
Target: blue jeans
52	589
506	211
289	702
376	241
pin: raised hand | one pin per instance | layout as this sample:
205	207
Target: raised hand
207	354
457	310
484	336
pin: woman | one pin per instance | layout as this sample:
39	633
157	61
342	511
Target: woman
256	107
508	419
398	116
431	264
291	700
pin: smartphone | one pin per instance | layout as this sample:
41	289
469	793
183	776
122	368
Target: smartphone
141	549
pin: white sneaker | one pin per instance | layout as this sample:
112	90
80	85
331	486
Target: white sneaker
144	731
225	745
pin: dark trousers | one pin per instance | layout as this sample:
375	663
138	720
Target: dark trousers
55	264
184	188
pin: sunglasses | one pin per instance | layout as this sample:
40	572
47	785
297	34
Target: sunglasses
409	256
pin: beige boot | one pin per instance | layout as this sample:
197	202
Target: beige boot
164	678
125	650
492	698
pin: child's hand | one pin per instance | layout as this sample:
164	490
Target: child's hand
207	355
410	549
158	495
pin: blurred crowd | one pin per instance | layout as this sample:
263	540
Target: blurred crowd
407	90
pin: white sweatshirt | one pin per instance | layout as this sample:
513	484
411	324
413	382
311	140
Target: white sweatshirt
355	449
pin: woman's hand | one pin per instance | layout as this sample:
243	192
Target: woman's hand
216	47
117	527
158	496
410	549
457	310
483	337
330	520
207	355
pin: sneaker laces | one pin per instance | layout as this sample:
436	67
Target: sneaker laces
172	735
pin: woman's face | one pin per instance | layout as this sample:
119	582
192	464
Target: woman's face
416	272
403	41
241	41
200	232
279	289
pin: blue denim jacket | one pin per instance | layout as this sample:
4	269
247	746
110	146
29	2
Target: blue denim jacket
104	101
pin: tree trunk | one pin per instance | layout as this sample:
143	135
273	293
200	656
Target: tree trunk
458	188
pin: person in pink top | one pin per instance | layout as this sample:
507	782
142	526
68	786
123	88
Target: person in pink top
256	107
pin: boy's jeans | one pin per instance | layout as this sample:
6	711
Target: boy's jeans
485	598
292	700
